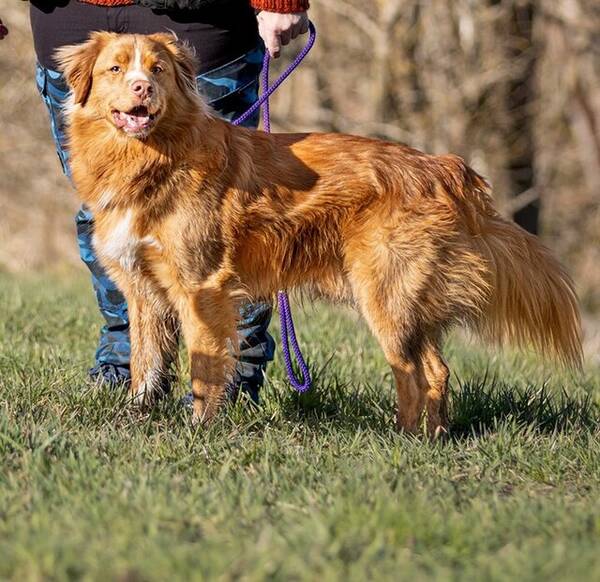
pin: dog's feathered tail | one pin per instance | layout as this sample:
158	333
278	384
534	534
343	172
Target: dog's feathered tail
532	300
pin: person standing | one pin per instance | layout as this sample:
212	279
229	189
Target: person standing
229	37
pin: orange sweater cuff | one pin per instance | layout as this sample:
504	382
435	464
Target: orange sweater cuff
108	2
281	6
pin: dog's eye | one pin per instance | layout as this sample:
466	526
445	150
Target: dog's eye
156	69
115	69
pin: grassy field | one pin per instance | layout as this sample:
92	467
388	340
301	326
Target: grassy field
317	487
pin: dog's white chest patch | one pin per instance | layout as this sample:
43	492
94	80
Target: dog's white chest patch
123	245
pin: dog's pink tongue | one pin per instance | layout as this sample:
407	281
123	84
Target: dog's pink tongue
133	123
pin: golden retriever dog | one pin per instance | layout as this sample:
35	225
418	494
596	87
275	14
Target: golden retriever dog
194	215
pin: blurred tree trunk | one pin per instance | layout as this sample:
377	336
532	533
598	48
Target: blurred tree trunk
521	141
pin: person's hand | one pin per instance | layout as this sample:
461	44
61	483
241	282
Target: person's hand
3	30
278	29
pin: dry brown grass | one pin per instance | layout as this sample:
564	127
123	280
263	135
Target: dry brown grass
36	202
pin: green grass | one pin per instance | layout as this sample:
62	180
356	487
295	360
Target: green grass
311	487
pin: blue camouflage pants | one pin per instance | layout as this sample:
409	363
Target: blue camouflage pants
230	90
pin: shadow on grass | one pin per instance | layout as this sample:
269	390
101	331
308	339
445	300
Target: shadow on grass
476	407
334	402
479	406
340	404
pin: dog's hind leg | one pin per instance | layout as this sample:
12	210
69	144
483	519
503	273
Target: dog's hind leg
436	399
421	378
410	393
403	352
208	319
420	374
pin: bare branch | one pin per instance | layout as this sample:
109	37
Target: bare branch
358	18
521	200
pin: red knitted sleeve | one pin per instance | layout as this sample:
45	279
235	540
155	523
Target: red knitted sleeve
108	2
282	6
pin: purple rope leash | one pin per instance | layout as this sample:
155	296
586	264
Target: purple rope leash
264	81
288	336
288	332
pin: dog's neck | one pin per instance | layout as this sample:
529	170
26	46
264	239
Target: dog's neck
148	169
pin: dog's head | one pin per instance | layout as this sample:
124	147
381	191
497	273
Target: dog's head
131	81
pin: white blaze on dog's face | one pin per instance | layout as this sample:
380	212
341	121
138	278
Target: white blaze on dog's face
129	80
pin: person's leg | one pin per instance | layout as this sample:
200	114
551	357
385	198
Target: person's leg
232	88
230	91
112	355
114	349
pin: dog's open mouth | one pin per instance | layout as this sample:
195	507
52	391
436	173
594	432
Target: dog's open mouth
137	120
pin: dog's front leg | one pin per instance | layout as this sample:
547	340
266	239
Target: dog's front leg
153	333
208	319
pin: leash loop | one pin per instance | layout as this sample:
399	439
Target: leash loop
288	332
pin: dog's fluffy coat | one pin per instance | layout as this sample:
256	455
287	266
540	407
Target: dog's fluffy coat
193	214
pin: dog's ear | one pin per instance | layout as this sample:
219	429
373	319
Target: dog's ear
76	62
184	57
